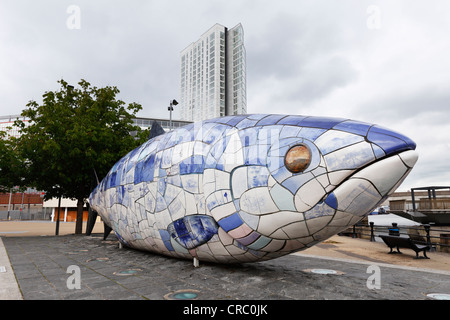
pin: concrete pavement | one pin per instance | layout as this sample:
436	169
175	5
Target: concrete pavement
79	267
9	289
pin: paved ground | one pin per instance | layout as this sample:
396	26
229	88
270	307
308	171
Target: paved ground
46	267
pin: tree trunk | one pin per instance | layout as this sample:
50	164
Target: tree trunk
79	223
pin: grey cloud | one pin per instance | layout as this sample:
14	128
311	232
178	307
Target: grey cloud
413	103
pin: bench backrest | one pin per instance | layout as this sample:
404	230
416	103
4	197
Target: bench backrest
398	241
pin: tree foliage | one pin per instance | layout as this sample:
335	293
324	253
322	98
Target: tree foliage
11	165
74	132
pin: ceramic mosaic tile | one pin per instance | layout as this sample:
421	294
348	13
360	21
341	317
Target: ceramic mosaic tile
251	187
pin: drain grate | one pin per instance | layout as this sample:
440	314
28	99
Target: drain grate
97	259
324	271
129	272
182	295
439	296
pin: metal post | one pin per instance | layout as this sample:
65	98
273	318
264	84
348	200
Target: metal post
427	230
372	236
170	108
57	218
9	204
170	111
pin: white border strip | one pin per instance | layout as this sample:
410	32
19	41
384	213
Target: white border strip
386	265
9	289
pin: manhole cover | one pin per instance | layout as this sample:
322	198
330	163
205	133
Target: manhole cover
439	296
97	259
78	251
182	295
129	272
324	271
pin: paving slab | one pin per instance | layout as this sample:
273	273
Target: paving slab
9	289
43	270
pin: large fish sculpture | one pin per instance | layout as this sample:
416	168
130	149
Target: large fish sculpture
251	187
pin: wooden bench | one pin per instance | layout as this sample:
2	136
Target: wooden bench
405	242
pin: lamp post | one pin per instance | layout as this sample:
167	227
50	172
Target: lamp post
170	108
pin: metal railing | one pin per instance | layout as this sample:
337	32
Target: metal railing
422	234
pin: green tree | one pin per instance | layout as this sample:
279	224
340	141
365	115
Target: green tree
11	165
74	132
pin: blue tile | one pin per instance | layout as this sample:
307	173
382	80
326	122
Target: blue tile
249	137
235	120
144	170
319	122
231	222
331	201
260	243
252	237
256	116
215	133
130	156
246	123
165	236
380	130
289	131
355	127
193	231
389	143
269	120
379	153
194	164
257	176
219	147
281	174
311	133
255	155
292	120
297	181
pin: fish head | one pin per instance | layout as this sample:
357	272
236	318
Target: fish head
314	179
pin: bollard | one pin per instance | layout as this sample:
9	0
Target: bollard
196	262
394	231
427	230
372	236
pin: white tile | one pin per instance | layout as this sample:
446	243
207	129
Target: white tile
336	177
239	182
190	183
311	192
317	224
222	179
357	196
384	174
351	157
272	222
300	205
283	198
296	230
258	201
223	211
190	203
333	140
409	158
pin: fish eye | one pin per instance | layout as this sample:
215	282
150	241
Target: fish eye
298	158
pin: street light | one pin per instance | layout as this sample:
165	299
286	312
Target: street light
170	108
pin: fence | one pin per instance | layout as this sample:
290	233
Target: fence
437	239
32	214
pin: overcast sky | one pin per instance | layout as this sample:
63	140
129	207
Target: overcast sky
384	62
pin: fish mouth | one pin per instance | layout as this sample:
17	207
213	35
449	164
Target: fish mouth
368	187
